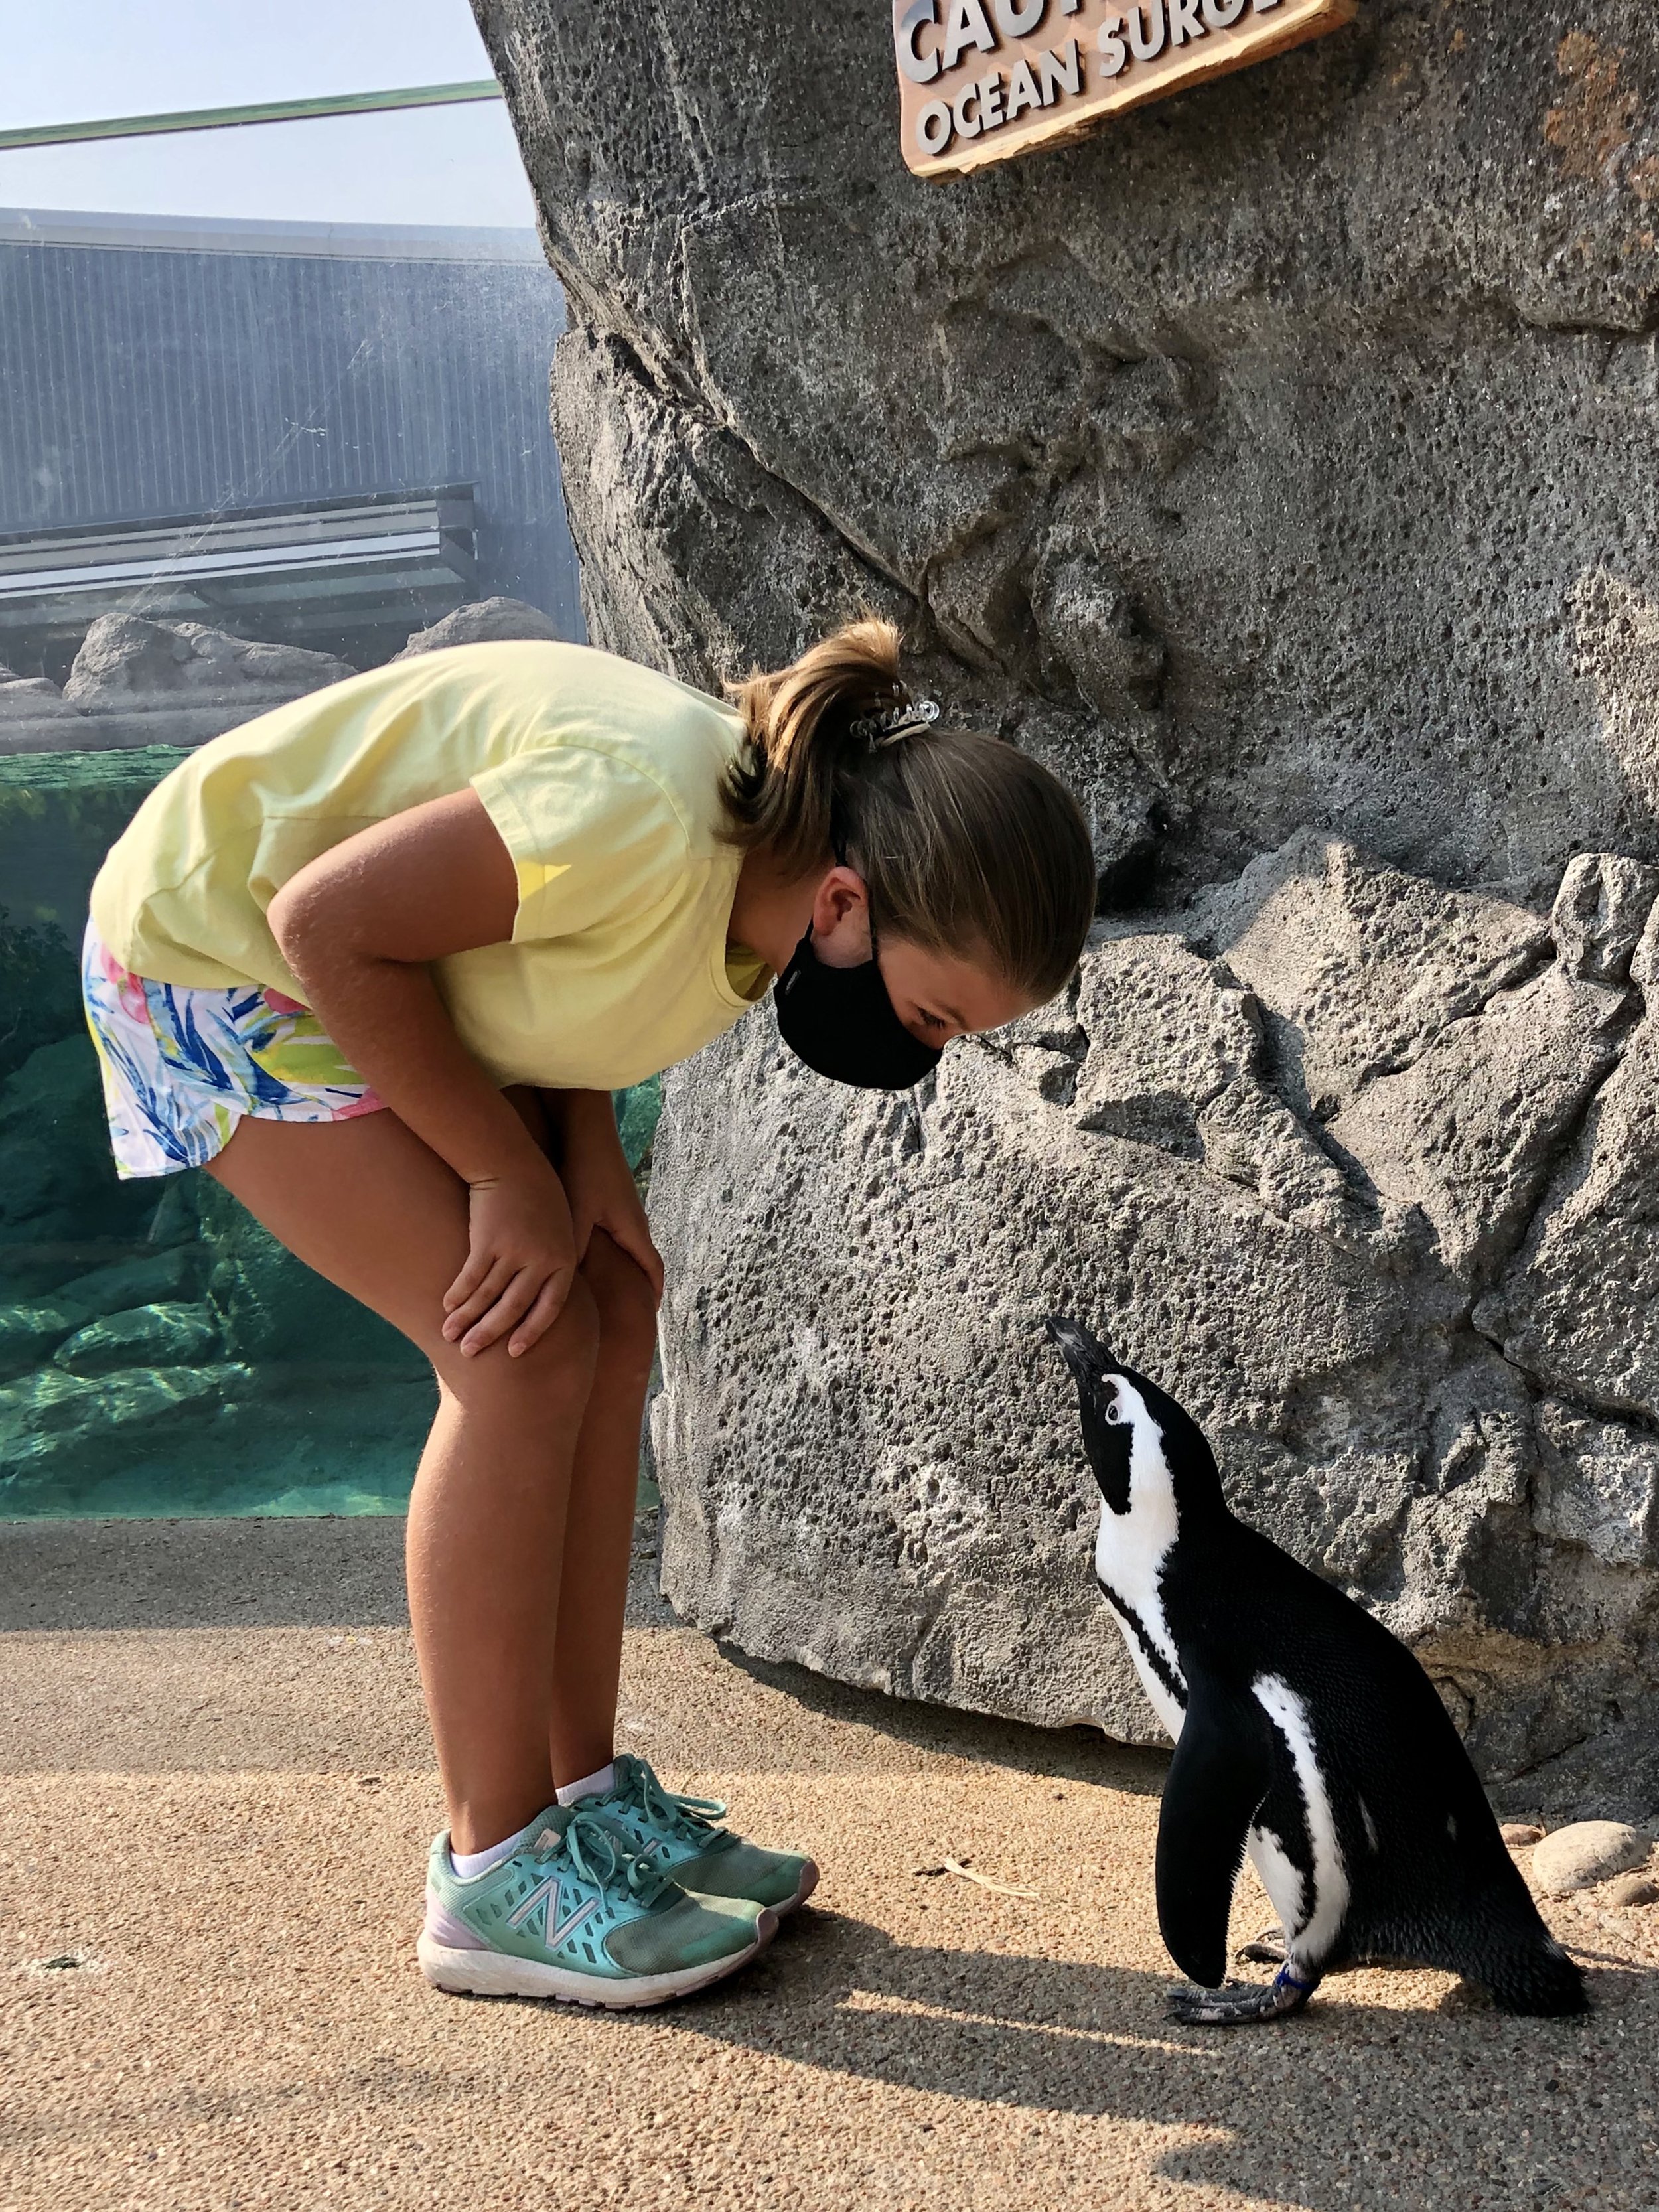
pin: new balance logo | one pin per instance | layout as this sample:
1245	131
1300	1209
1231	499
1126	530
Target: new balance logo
546	1895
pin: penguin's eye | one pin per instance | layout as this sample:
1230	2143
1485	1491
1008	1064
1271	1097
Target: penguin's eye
1112	1412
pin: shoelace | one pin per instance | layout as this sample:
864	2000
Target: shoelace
689	1820
584	1840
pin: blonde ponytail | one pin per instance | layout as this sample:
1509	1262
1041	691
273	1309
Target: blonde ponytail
967	845
802	746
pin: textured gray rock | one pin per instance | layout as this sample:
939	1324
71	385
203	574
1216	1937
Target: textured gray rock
1601	913
34	715
31	698
1596	1486
1580	1306
1361	965
480	621
136	681
127	663
1588	1851
1190	452
1188	457
1470	1129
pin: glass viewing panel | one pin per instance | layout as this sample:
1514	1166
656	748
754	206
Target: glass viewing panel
238	461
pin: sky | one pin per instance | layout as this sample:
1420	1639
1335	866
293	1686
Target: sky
70	60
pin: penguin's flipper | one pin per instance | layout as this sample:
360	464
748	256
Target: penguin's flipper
1218	1779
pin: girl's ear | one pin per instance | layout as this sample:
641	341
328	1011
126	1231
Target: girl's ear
841	919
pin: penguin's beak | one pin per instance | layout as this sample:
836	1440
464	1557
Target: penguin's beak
1087	1358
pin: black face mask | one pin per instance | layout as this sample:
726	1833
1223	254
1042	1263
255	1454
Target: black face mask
840	1022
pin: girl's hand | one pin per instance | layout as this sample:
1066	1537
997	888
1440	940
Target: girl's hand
523	1259
601	1187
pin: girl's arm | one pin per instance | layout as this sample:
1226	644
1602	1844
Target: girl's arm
359	926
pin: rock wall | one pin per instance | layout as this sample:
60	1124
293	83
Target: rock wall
1275	465
1275	458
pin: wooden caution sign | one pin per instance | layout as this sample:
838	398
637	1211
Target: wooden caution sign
981	80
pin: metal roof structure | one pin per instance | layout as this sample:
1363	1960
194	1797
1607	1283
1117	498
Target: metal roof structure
282	572
222	418
193	234
319	106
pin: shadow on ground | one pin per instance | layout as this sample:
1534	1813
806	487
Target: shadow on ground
69	1578
1290	2112
203	1574
1076	1754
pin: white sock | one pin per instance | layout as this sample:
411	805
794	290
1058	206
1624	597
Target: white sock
599	1784
469	1865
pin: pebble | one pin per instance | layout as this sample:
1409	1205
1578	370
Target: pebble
1634	1889
1588	1852
1517	1834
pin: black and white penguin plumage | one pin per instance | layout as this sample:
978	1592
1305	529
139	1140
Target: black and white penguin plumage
1305	1734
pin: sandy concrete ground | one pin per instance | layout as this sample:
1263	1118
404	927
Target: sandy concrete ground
228	1823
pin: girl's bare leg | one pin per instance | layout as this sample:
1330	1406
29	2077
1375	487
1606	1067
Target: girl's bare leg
367	1204
599	1538
600	1527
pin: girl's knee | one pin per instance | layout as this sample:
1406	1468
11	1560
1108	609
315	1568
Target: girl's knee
556	1371
624	1303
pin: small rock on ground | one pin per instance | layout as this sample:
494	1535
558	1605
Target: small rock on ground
1634	1889
1587	1852
1517	1834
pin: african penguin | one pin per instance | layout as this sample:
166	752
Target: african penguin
1304	1734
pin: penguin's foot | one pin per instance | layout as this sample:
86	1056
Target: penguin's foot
1266	1949
1240	2004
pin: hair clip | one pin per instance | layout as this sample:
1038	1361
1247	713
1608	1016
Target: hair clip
886	729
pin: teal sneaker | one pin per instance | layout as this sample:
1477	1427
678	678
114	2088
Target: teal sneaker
681	1837
576	1913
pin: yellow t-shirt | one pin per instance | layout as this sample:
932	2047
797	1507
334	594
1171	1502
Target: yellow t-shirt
603	779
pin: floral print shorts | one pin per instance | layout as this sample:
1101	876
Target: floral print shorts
182	1066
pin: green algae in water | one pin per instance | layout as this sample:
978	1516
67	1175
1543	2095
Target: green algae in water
160	1354
209	1442
636	1118
59	815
